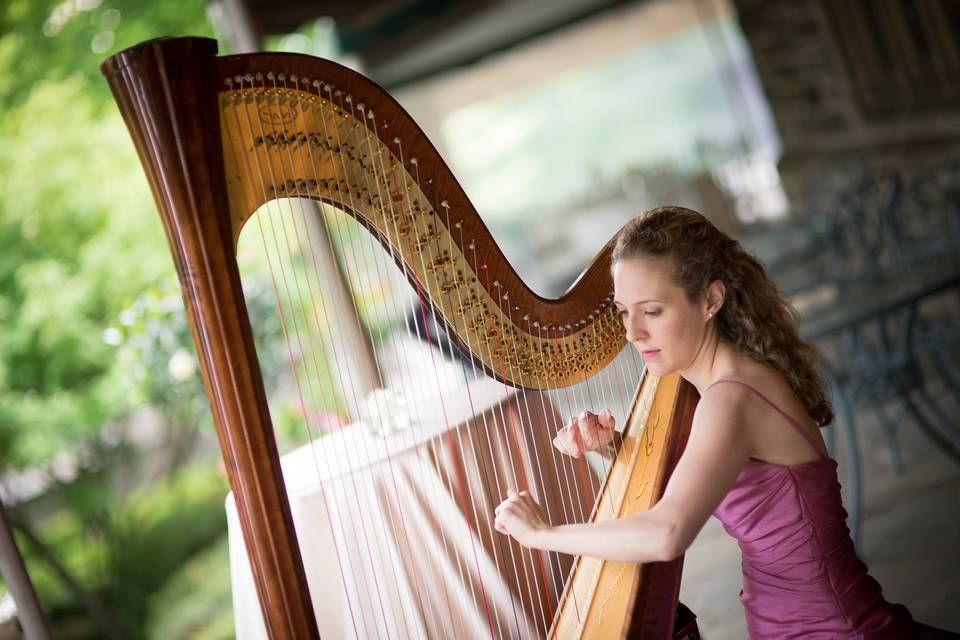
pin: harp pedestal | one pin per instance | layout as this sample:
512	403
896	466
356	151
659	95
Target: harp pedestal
419	527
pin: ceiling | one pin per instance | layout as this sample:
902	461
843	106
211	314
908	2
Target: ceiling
403	41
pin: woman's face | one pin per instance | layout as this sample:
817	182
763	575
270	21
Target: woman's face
662	324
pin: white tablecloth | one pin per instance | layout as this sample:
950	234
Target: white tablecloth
396	532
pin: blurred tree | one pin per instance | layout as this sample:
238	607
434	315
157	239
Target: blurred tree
92	327
80	242
80	239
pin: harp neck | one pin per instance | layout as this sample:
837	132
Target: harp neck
285	125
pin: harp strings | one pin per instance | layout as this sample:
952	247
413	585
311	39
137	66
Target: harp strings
367	176
418	313
420	588
513	479
494	544
346	127
273	213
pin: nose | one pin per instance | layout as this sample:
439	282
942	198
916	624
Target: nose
636	331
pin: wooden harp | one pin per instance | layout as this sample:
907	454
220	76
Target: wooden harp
219	137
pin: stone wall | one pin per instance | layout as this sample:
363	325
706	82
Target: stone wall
844	98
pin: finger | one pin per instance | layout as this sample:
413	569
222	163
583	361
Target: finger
588	430
575	446
606	420
510	492
560	445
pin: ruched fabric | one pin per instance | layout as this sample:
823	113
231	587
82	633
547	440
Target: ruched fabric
801	575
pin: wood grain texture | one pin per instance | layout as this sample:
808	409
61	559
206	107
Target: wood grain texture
165	92
605	599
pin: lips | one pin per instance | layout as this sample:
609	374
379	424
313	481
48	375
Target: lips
649	354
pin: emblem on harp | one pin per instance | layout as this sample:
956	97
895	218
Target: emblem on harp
277	114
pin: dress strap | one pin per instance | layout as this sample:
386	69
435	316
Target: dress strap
796	425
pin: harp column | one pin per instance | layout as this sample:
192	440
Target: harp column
166	90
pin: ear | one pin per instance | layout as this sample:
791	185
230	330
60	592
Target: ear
715	295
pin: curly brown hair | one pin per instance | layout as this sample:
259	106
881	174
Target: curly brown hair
755	319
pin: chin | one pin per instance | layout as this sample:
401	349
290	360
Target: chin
659	369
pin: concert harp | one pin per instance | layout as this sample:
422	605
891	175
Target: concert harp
220	139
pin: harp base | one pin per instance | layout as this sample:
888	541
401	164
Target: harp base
685	626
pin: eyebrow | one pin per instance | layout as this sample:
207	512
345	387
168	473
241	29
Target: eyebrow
638	302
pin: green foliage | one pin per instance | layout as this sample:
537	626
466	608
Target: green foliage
77	225
129	551
53	41
92	325
196	601
80	242
58	278
160	530
155	355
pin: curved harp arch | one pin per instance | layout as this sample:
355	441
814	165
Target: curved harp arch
218	138
332	135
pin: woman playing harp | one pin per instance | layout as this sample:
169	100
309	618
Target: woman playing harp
692	301
261	138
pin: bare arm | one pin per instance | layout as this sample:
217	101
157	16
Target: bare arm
718	448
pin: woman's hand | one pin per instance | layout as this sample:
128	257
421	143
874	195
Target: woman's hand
521	517
589	432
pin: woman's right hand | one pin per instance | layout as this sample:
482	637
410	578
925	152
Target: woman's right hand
588	432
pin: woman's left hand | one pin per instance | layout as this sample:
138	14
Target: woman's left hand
521	517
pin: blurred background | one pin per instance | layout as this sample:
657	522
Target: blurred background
823	135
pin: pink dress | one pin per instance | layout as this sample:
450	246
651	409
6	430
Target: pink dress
801	575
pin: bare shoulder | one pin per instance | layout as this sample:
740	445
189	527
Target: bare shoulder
723	408
726	395
764	405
